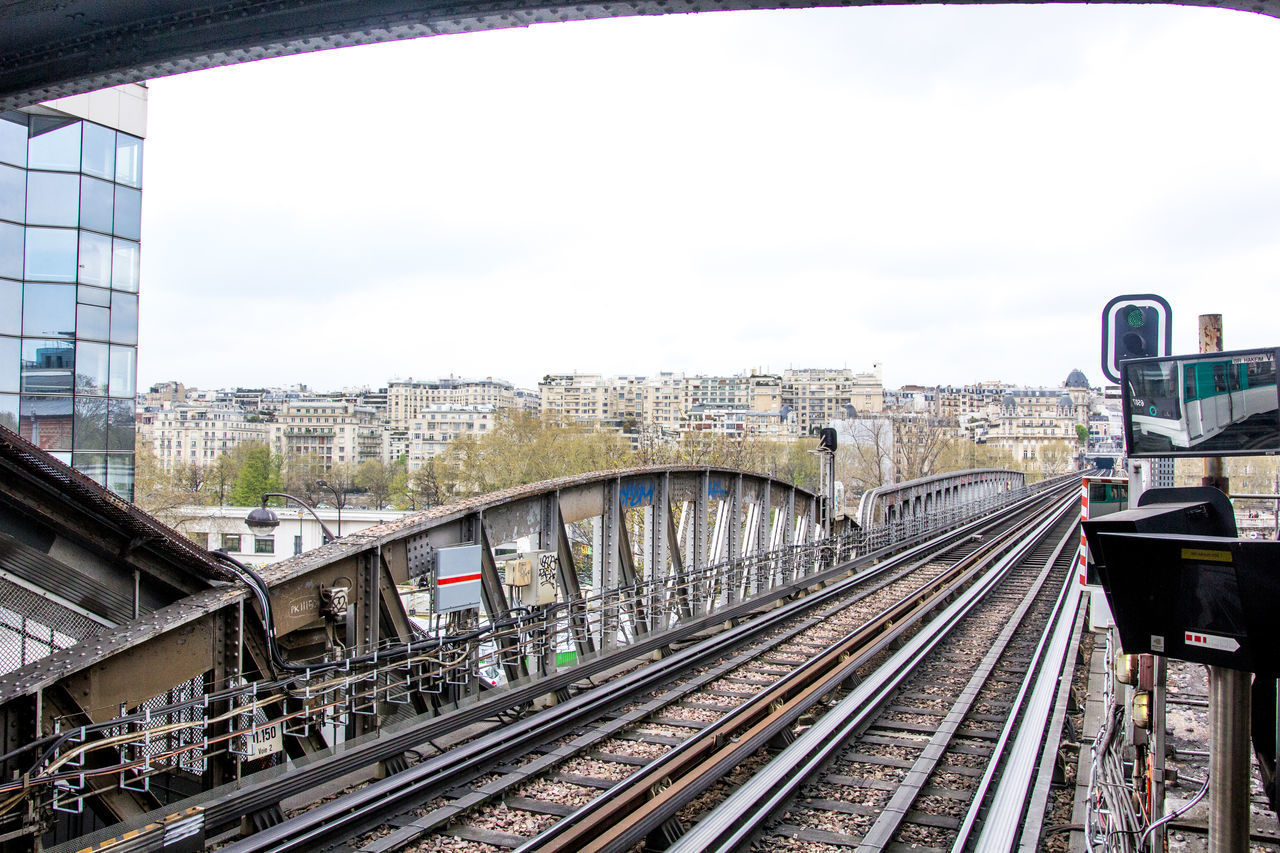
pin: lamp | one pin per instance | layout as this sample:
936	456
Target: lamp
264	520
337	501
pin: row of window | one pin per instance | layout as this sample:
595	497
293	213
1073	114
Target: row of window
68	311
52	366
233	542
64	144
64	424
69	255
68	200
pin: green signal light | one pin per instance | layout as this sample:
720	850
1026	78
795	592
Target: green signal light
1135	317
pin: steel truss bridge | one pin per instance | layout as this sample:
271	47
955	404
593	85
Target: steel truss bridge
145	674
48	50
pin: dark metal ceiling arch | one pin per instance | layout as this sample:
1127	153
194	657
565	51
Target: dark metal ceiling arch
52	49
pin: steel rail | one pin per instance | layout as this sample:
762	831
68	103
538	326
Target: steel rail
881	833
1019	750
330	818
628	813
374	802
731	825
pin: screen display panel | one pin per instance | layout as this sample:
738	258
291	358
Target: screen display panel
1212	404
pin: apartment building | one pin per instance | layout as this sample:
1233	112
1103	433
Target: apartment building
197	434
436	426
818	395
335	431
407	398
578	397
741	423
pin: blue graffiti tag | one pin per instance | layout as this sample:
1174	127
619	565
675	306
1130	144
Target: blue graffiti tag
717	489
635	494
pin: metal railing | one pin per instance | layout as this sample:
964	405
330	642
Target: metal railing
188	726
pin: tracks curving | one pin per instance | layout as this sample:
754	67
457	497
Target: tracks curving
710	713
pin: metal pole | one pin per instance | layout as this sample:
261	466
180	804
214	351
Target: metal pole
1159	838
1229	712
1229	698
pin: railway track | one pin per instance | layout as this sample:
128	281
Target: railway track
554	779
931	756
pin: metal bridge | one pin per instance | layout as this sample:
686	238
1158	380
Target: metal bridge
144	671
48	50
903	502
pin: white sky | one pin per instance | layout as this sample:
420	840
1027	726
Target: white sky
952	192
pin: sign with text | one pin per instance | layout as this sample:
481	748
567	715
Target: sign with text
266	740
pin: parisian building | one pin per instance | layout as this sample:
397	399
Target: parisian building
197	434
406	399
70	247
435	426
336	432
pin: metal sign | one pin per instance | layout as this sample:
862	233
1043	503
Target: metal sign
266	740
457	578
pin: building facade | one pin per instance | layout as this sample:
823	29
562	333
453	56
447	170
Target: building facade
197	434
436	426
70	249
334	431
224	527
408	398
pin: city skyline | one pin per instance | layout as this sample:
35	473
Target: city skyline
308	387
958	190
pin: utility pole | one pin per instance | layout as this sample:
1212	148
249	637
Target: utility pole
1229	697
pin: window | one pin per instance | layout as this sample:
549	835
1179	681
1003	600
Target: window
264	544
297	545
201	539
231	541
124	266
51	254
98	151
54	144
11	249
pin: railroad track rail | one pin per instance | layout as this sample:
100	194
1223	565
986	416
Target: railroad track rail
760	681
943	748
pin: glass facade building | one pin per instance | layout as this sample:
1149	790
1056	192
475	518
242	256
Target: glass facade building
70	243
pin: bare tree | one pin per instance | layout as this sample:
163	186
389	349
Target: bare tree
918	442
864	457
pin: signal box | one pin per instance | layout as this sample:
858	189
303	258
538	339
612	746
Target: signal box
1197	511
1205	599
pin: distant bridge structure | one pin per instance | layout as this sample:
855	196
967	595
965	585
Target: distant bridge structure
901	502
190	674
49	50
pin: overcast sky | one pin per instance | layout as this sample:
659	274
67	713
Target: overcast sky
951	192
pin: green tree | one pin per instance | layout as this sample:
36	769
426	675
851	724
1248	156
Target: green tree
423	488
260	472
220	479
1082	433
374	476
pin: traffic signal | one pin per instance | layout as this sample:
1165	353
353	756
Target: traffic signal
1137	332
1137	325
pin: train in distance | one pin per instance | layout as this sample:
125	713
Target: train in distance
1219	403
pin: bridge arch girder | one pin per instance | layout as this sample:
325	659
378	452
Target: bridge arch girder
50	51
